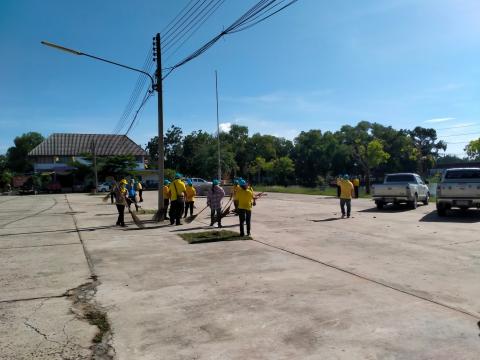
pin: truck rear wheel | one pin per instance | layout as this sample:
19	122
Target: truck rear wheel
414	204
441	210
379	204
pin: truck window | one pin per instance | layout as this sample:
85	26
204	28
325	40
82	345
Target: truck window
463	174
400	178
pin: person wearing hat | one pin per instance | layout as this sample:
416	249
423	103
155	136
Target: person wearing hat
121	201
177	190
190	192
166	197
234	195
346	195
132	195
246	200
214	201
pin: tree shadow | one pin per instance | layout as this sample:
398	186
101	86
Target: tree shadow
453	216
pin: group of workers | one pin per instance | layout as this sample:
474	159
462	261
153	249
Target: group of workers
180	197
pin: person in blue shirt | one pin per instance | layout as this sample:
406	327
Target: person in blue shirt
132	195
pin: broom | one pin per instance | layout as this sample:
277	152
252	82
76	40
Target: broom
105	198
193	217
135	219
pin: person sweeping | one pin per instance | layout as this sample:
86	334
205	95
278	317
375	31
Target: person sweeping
246	200
356	185
139	188
214	201
132	195
177	199
190	198
346	195
121	201
234	195
166	197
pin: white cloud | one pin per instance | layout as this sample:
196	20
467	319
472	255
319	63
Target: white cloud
225	127
439	120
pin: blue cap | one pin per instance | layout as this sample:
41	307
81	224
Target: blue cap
166	182
178	176
189	182
235	181
242	182
215	182
346	177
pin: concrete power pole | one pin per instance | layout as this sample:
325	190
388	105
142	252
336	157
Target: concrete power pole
218	131
157	53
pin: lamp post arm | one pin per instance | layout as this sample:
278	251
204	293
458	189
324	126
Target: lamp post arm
76	52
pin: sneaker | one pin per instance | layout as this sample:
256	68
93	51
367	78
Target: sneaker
220	225
343	216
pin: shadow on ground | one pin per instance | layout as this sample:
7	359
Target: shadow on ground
390	208
453	216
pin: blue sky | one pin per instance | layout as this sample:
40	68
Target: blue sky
317	65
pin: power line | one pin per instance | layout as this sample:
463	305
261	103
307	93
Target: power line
262	7
193	29
464	134
457	127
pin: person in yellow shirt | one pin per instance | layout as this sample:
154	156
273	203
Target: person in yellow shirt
139	191
190	192
166	197
177	199
346	194
121	201
246	200
356	185
234	195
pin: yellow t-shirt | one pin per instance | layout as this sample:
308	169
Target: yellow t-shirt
139	186
166	192
245	199
356	182
191	192
235	191
346	188
177	188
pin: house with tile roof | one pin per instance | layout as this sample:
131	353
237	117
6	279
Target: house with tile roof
57	151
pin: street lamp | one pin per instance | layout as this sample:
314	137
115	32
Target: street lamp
157	86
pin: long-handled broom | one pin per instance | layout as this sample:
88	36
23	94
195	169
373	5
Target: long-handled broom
135	219
189	219
105	198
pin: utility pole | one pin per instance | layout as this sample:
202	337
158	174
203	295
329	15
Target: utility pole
94	152
218	131
157	53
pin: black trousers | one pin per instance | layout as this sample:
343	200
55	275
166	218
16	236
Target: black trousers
348	203
356	192
245	217
235	203
338	191
140	192
166	202
176	211
215	216
121	215
189	205
112	196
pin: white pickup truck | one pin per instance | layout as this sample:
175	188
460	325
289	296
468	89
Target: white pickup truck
401	188
459	188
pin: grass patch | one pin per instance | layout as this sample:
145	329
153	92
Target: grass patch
99	319
328	191
212	236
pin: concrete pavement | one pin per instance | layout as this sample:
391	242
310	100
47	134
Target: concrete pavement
392	284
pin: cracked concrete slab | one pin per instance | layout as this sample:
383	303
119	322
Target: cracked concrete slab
43	329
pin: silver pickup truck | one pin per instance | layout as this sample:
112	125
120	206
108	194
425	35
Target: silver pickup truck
459	188
401	188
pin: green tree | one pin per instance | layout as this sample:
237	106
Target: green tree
426	147
283	168
17	156
119	166
473	149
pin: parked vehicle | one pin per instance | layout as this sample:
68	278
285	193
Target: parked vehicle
201	185
401	188
460	188
103	187
150	185
54	187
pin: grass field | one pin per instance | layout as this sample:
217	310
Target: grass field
329	191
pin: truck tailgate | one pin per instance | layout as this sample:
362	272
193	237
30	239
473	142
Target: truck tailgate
390	190
459	190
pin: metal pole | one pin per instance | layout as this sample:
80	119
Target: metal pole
218	131
94	151
161	150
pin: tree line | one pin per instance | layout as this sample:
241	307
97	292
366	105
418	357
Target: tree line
366	149
311	159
